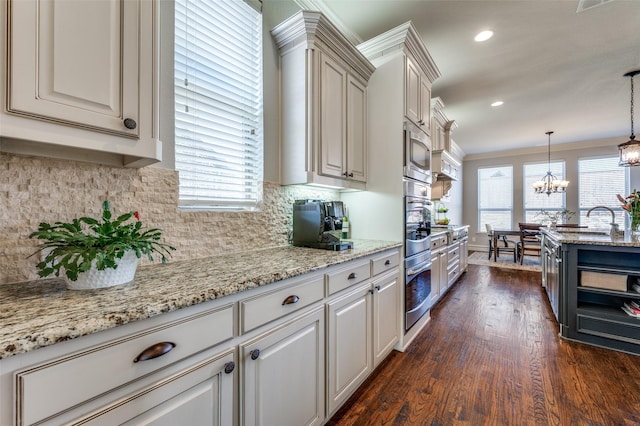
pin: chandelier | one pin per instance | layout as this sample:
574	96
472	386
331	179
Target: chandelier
630	150
549	183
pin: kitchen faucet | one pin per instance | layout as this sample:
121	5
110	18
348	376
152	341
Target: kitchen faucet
615	229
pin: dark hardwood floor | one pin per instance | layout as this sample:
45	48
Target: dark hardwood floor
491	355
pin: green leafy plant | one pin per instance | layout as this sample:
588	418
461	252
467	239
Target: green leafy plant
74	246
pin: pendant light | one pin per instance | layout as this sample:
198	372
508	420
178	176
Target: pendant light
630	150
549	183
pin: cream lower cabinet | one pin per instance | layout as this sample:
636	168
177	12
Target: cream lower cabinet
202	394
363	326
283	374
289	353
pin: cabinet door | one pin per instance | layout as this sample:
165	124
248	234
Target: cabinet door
412	92
333	117
386	315
425	103
349	350
199	395
284	374
76	62
435	276
356	130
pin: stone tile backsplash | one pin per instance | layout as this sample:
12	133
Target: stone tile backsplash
34	190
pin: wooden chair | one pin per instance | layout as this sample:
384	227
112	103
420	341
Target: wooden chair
529	244
503	244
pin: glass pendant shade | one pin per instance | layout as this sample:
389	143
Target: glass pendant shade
630	150
549	183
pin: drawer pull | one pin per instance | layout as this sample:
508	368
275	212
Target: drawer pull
387	262
352	276
291	300
378	287
229	367
155	351
370	291
255	354
130	123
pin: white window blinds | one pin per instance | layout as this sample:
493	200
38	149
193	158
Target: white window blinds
495	197
534	203
218	104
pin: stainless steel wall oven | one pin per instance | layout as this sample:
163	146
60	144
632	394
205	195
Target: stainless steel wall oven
417	250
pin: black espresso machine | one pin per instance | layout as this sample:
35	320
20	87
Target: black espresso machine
318	224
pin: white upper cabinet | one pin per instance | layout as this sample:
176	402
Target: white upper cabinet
323	86
417	95
82	75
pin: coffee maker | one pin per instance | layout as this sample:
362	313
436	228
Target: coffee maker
318	224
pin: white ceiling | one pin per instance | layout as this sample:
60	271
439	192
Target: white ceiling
555	69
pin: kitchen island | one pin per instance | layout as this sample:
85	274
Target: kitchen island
598	275
219	340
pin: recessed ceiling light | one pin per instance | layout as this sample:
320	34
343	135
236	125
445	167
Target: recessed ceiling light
484	35
497	103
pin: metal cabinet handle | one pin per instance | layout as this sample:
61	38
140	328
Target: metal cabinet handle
352	276
291	300
155	351
350	174
229	367
378	287
255	354
370	291
387	262
347	174
130	123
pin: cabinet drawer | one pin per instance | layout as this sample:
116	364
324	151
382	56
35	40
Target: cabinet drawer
264	308
610	329
346	277
48	389
438	241
385	263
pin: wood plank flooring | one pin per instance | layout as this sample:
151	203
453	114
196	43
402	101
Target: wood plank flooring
491	355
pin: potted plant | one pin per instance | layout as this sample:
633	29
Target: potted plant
552	217
97	253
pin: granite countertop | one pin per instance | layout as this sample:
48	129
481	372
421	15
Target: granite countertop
40	313
599	237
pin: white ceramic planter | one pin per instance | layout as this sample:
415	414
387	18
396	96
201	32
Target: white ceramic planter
93	278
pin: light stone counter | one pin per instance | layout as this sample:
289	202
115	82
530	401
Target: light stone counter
589	236
41	313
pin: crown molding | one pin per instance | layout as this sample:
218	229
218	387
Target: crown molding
321	6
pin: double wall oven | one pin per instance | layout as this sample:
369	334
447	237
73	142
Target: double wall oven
417	223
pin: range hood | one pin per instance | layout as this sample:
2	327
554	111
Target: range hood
444	166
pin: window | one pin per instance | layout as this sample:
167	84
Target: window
495	197
218	104
533	202
600	180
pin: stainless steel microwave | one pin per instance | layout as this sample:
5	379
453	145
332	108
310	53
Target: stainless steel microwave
417	154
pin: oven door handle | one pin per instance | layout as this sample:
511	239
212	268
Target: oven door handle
412	272
421	240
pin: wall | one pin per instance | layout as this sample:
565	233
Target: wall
38	190
570	153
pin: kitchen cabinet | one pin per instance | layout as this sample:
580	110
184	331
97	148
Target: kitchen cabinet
82	80
323	103
464	253
350	347
417	95
363	326
438	266
238	359
163	371
594	313
283	374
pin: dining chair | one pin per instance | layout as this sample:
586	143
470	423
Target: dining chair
503	244
530	244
